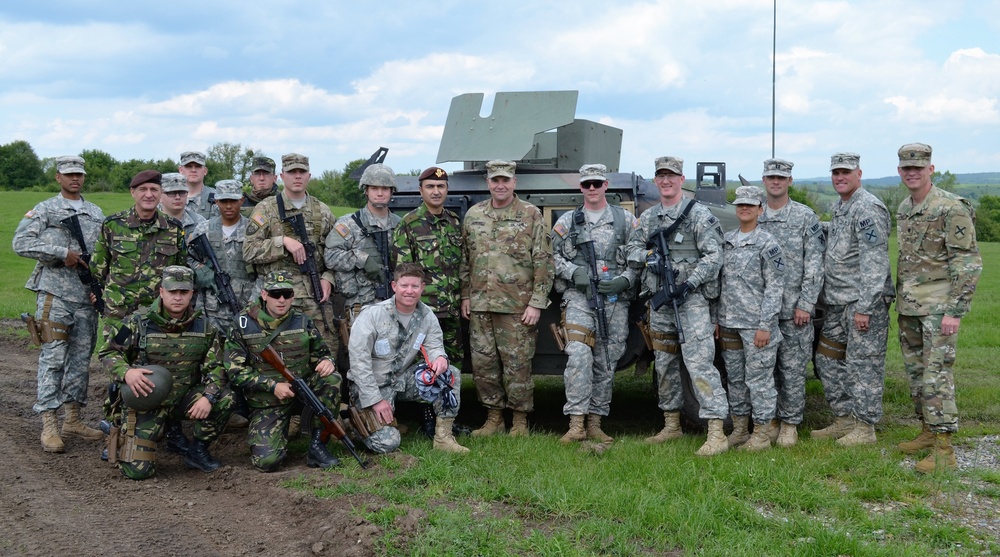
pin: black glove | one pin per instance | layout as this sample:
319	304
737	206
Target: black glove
613	286
681	291
581	281
373	269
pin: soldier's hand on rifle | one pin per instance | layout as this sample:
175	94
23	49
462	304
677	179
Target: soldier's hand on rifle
383	410
294	247
200	409
73	259
581	280
325	367
616	285
136	380
761	338
373	268
204	278
680	293
283	390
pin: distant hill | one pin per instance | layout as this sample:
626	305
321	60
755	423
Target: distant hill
971	178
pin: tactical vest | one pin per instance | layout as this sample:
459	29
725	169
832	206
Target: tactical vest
292	343
182	352
577	233
236	269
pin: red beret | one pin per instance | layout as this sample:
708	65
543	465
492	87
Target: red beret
146	177
433	173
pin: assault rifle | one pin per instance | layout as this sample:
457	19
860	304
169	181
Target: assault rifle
83	271
383	289
596	301
202	250
308	267
659	261
330	424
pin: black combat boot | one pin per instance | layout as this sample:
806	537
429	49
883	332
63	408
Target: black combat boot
198	457
177	442
319	455
427	420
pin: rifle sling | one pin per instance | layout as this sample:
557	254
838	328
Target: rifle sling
673	227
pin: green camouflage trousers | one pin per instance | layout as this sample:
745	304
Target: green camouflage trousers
502	348
928	357
454	344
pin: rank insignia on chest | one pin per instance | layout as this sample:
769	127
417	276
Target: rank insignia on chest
343	230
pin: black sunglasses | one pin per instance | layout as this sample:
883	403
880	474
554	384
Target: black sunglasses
279	294
592	185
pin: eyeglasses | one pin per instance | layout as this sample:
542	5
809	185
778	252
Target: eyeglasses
175	193
281	294
592	185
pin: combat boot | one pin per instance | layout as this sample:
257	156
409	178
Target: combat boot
494	423
740	434
760	440
839	428
444	439
862	434
51	442
319	454
199	458
428	423
716	443
773	428
941	458
576	432
671	428
73	427
237	421
519	425
177	442
923	441
788	436
594	429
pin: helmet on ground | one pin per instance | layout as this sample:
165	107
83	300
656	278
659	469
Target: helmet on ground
162	383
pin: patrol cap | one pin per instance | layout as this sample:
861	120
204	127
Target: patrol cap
778	167
70	165
915	154
178	277
670	164
378	175
500	168
593	173
278	280
192	156
174	181
294	161
145	177
749	195
433	173
263	163
848	161
228	189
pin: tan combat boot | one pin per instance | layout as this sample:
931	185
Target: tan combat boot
941	458
51	442
494	423
716	442
740	434
576	432
923	441
839	428
773	429
671	428
73	427
519	425
444	439
760	440
594	429
862	434
788	436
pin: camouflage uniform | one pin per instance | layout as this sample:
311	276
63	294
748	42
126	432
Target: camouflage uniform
435	242
508	267
203	204
229	251
752	281
301	347
384	357
857	279
251	199
800	235
696	254
62	299
938	270
348	246
587	379
189	347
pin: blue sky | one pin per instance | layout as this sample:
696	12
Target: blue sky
335	80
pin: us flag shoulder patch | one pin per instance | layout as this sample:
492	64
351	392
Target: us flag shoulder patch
560	230
343	230
259	219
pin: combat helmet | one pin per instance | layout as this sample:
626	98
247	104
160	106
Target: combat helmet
162	383
378	175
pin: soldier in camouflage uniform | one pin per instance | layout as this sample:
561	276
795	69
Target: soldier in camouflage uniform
174	202
588	378
172	335
263	184
65	316
800	235
850	358
752	286
938	270
696	256
389	342
201	198
506	280
272	320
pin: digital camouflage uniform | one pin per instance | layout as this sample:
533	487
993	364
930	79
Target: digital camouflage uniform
587	379
508	268
857	279
800	235
348	246
384	356
174	181
435	242
752	281
189	348
696	255
301	348
204	203
62	299
938	270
